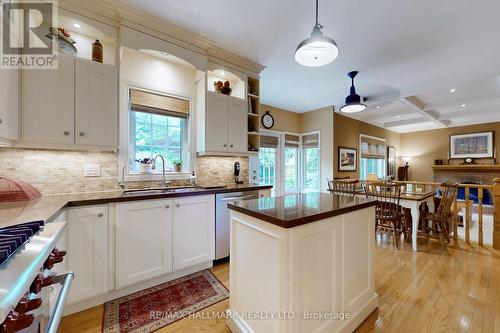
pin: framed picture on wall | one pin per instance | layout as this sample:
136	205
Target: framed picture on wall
348	159
391	161
473	145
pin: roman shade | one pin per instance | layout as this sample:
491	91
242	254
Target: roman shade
310	140
292	141
267	141
372	147
158	104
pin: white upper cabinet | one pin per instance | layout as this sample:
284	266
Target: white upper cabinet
9	107
216	122
74	104
237	125
96	109
226	124
48	103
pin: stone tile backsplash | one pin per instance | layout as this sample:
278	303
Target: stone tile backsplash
62	171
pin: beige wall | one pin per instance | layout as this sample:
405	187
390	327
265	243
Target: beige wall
283	120
321	120
346	134
426	146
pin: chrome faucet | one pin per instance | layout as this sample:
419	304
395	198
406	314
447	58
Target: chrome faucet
121	183
153	166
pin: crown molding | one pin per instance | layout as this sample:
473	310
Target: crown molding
115	14
220	56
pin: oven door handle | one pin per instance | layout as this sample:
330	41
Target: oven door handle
238	198
65	280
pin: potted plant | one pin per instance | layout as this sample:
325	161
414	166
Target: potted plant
144	165
177	165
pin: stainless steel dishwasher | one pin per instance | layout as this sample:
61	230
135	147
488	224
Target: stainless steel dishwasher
222	227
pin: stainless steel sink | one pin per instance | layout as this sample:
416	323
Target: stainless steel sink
152	191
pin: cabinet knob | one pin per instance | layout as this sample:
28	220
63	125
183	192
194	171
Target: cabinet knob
231	146
225	145
0	120
177	205
66	133
167	206
81	134
100	214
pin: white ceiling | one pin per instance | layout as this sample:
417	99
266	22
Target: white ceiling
420	48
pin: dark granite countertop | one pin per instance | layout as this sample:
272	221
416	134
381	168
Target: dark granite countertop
296	209
48	207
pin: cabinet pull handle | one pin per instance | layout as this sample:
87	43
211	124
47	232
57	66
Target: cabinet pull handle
100	214
167	206
66	133
177	205
81	134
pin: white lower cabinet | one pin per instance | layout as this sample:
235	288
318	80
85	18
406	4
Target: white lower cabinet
194	230
86	243
143	240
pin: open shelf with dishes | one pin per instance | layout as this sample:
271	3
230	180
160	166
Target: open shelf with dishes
253	100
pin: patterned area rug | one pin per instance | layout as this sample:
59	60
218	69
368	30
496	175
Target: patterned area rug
156	307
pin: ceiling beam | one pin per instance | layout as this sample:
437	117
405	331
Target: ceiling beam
418	106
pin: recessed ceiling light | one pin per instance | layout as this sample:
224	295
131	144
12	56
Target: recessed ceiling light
222	73
398	116
378	107
463	105
164	53
452	90
76	25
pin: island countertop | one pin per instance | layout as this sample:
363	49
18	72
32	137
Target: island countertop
292	210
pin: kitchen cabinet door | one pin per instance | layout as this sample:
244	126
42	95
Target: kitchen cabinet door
86	243
216	122
237	125
9	107
48	103
143	240
96	112
194	230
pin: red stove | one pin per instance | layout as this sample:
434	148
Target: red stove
32	295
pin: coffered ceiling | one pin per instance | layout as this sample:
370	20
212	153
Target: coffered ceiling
410	54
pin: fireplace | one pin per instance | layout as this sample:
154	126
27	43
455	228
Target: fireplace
468	174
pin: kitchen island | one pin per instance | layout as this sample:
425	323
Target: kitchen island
302	263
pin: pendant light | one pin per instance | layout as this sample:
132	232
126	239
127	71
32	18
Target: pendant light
353	101
316	50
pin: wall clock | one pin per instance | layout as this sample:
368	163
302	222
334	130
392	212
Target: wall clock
267	120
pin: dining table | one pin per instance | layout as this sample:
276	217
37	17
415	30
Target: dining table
412	200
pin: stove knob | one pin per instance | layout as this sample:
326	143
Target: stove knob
27	305
49	263
58	253
41	282
16	322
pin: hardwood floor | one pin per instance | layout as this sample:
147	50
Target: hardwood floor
428	291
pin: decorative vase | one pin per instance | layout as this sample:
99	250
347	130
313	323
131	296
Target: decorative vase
97	51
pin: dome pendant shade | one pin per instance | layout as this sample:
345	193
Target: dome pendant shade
316	50
353	101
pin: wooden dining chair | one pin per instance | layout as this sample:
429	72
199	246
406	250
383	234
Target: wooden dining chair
388	212
343	186
443	216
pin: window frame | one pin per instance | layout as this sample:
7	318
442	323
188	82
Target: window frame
360	153
125	135
302	186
